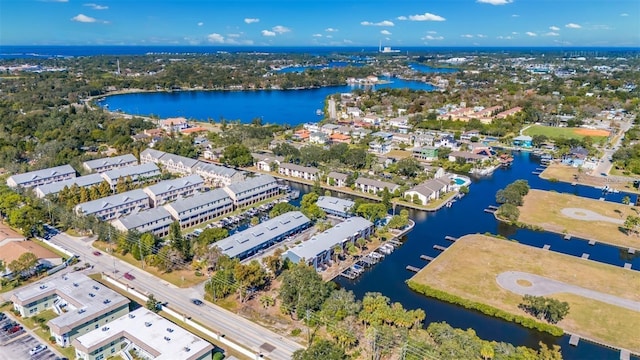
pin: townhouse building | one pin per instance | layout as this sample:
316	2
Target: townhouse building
170	190
41	177
136	173
252	190
156	221
374	186
200	208
298	171
86	181
337	179
109	163
114	206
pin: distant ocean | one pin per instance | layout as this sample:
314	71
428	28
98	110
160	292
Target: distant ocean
50	51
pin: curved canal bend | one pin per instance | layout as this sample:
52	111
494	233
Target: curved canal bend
466	217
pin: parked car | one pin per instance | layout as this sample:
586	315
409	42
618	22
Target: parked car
8	326
14	329
38	349
129	276
2	316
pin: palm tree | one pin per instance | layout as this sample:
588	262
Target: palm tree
361	242
337	251
267	301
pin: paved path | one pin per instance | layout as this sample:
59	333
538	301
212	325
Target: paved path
588	215
541	286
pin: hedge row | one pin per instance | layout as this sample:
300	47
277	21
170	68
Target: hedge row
485	309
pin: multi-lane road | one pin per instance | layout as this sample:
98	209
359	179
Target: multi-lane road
233	327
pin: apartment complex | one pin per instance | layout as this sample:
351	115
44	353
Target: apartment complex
252	190
109	163
41	177
170	190
114	206
202	207
137	173
86	181
155	221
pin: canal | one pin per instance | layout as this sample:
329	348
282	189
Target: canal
466	217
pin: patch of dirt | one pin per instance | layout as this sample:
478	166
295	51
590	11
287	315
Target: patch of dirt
591	132
525	283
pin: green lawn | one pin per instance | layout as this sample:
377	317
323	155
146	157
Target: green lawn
554	132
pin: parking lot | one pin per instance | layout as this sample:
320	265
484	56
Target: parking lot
15	345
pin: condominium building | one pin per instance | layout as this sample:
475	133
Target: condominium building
155	221
147	335
109	163
86	181
201	207
335	206
297	171
170	190
41	177
252	190
137	173
374	186
82	305
114	206
217	175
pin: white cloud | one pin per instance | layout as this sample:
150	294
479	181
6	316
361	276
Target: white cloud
505	37
233	35
426	17
200	23
531	33
624	14
329	36
402	18
385	32
280	29
551	33
601	27
432	32
96	6
215	38
251	20
468	36
481	36
572	26
495	2
330	30
317	35
381	23
347	41
515	15
431	37
554	28
268	33
83	18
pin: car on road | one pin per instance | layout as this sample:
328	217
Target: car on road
97	253
197	302
37	349
603	174
129	276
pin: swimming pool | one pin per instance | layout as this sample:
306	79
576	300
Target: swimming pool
459	181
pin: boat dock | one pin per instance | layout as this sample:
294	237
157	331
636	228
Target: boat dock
492	207
574	340
450	238
426	258
439	247
567	237
490	211
412	268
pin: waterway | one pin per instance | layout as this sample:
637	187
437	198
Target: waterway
466	217
291	107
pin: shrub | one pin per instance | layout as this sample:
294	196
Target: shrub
296	332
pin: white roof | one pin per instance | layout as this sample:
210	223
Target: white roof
335	204
149	331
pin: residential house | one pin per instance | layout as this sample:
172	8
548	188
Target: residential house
301	135
380	147
329	129
336	138
170	190
252	190
467	157
266	162
318	138
155	221
425	153
423	140
174	124
523	141
41	177
137	174
298	171
337	179
447	141
509	112
429	190
203	207
468	135
335	206
114	206
374	186
109	163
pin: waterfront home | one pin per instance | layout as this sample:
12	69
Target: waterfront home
374	186
114	206
437	172
318	138
252	190
262	236
137	173
86	181
109	163
429	190
523	141
318	250
267	162
82	305
339	138
197	209
155	221
425	153
41	177
335	206
329	129
217	175
298	171
468	135
467	157
150	335
337	179
174	124
170	190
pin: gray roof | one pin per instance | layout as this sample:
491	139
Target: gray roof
82	181
214	169
179	183
200	199
335	204
377	183
91	207
42	174
522	138
252	237
156	154
267	156
337	175
251	184
159	214
110	161
188	162
133	171
430	186
88	297
329	238
307	169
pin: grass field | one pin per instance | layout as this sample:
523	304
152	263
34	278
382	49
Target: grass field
543	208
554	132
469	267
570	174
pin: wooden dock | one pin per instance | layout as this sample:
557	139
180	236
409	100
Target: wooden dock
412	268
631	251
592	242
574	340
546	247
426	258
395	243
439	247
567	237
585	256
627	266
492	207
490	211
625	354
450	238
536	173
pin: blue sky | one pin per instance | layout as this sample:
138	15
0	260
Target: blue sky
395	23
